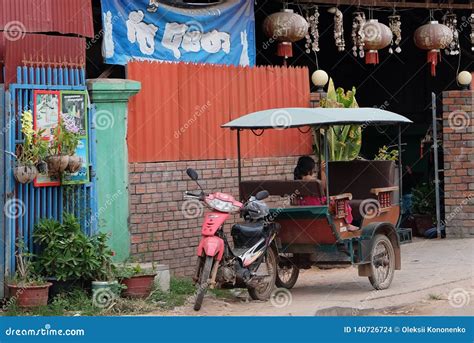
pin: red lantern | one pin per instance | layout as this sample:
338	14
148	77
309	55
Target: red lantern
377	36
285	27
433	37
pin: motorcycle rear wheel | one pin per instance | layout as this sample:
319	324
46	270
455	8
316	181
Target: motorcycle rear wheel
264	291
203	282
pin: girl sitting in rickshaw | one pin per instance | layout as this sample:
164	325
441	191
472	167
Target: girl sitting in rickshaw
306	170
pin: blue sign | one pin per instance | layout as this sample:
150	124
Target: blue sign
151	30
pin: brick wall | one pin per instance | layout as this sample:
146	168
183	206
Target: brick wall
160	230
458	144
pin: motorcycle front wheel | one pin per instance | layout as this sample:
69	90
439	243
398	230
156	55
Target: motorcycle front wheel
264	289
203	282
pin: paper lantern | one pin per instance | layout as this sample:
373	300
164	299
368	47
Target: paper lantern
285	27
433	37
376	36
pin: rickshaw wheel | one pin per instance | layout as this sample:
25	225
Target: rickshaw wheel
287	273
383	262
264	290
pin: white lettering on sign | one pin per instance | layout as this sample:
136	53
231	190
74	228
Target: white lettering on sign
141	32
178	36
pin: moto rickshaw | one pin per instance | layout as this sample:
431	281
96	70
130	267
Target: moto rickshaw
318	235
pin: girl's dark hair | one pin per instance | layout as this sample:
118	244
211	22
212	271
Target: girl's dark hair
304	167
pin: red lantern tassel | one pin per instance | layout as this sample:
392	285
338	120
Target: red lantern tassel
433	56
372	57
285	49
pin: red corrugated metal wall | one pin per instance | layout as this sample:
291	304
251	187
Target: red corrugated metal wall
41	50
63	16
178	113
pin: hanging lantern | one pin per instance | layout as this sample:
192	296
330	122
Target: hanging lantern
433	37
376	36
285	27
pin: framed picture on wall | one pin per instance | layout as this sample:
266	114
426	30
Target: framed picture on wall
46	116
74	109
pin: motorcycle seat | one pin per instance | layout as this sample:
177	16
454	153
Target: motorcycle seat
248	229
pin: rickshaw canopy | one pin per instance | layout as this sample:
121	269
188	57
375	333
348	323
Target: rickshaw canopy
292	117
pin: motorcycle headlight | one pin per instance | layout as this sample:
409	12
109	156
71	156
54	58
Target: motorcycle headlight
222	206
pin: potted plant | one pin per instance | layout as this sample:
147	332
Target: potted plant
424	207
138	281
105	288
31	152
57	161
70	141
26	287
65	258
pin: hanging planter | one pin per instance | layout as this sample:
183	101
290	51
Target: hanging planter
376	36
285	27
30	152
25	173
57	164
74	164
433	37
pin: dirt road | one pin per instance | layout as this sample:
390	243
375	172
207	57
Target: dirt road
437	278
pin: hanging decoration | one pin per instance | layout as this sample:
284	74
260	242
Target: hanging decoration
338	28
312	37
451	21
472	31
285	27
395	24
433	37
377	36
358	35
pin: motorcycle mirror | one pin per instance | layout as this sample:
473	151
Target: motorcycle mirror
192	174
262	195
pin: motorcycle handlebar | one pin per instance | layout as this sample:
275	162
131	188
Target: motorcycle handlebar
191	194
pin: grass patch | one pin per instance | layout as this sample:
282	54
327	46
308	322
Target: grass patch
180	290
75	302
79	302
435	297
222	293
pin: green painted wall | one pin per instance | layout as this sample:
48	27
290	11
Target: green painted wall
110	97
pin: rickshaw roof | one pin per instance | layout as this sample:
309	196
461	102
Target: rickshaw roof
278	118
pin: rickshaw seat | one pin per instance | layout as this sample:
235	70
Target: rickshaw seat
358	177
291	188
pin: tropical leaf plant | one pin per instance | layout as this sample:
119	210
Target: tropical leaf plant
344	141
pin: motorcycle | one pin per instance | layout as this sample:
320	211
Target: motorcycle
252	261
